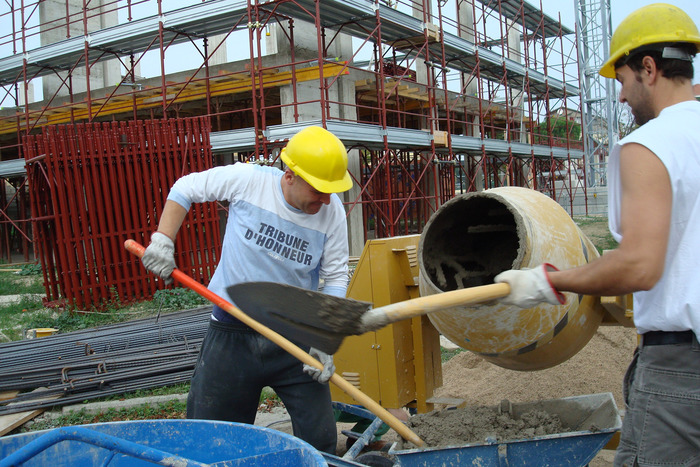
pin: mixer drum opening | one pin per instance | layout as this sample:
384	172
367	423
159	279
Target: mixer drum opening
469	243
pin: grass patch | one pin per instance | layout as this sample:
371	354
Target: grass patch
182	388
14	283
174	409
167	410
17	316
596	229
28	311
178	299
446	354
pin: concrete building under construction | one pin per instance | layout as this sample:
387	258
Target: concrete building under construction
431	98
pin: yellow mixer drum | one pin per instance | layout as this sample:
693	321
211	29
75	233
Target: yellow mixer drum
475	236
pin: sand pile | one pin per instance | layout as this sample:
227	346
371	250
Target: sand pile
598	367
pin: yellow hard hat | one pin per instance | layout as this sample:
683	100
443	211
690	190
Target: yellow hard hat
320	158
652	24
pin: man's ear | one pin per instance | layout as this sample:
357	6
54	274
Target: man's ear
288	176
649	68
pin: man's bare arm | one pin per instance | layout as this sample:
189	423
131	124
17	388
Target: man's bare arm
171	219
638	263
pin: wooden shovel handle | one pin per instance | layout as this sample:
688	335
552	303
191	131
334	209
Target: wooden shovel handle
367	402
379	317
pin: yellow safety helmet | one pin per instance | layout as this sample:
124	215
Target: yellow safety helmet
652	24
320	158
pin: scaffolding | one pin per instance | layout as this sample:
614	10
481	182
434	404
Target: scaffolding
600	114
432	98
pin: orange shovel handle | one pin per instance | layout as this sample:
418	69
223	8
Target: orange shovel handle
138	250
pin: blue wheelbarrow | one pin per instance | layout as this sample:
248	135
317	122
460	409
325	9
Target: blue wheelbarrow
163	442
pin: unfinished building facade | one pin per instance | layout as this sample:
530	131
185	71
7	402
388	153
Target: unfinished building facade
105	104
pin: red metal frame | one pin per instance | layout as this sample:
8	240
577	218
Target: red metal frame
97	185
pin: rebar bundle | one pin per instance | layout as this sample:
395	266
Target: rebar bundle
104	361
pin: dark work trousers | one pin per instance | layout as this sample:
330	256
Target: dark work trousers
234	365
662	421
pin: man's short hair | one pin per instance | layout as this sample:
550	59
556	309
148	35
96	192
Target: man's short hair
674	60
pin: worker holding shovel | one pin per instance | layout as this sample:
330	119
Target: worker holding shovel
283	226
654	214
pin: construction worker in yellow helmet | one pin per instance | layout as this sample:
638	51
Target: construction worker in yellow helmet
284	226
654	214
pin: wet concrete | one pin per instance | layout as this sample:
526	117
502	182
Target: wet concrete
460	426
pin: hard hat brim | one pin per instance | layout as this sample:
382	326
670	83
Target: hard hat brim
325	186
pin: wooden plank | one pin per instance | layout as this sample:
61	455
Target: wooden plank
8	395
11	421
619	307
451	401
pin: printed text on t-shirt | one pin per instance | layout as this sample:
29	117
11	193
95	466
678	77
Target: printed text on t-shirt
280	243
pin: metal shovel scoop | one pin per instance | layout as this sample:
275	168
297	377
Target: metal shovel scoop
323	321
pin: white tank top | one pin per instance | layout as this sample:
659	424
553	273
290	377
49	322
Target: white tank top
673	304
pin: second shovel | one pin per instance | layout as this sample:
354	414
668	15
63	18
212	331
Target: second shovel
323	321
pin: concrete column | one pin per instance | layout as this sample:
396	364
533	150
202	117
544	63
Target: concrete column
515	54
465	18
220	56
517	96
52	14
30	93
423	72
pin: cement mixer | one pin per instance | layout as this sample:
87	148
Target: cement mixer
475	236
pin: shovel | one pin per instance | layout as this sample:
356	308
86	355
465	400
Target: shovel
366	401
323	321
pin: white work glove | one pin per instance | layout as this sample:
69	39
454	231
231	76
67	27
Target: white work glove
322	376
159	257
529	287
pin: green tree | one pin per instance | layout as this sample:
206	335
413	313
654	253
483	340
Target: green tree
559	127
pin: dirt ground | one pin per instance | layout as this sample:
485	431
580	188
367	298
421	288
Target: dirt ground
598	367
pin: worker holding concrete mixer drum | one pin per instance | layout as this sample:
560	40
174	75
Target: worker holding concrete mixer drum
654	214
283	226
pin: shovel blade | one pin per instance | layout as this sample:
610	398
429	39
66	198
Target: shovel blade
303	316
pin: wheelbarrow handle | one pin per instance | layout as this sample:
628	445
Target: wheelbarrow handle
103	440
138	250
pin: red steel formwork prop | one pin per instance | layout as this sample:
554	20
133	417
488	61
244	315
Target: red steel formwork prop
93	186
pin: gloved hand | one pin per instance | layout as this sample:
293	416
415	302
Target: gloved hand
159	257
322	376
529	287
